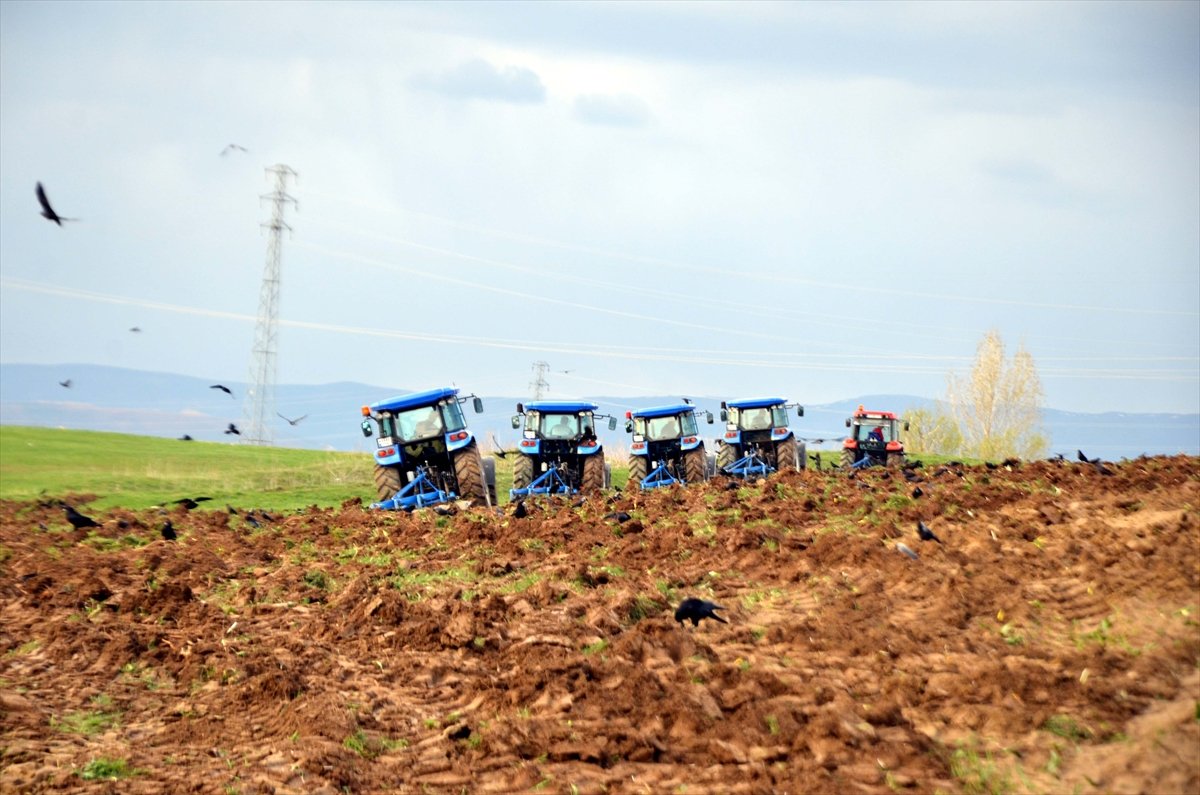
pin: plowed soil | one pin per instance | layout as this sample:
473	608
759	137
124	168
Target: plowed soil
1050	644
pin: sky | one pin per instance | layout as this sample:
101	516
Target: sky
808	200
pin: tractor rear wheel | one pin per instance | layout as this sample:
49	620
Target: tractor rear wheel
639	468
726	455
785	455
522	471
593	473
468	469
694	470
387	482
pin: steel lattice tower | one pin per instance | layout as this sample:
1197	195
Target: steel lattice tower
260	394
538	384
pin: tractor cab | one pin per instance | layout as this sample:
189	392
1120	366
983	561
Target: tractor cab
874	439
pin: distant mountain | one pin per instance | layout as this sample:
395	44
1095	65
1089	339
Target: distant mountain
164	404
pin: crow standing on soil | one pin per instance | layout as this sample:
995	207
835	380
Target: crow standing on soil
917	492
1095	462
520	512
925	533
78	520
620	516
47	210
692	609
168	531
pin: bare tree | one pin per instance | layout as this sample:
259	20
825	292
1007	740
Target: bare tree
997	406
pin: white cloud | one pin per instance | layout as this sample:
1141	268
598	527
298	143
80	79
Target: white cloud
620	110
479	79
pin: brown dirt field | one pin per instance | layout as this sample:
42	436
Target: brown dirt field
1050	645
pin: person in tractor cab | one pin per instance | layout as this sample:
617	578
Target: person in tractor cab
876	434
563	429
430	426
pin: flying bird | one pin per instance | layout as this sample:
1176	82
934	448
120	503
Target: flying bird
925	533
233	429
233	148
168	531
78	520
1083	459
47	210
223	388
136	330
66	383
191	502
295	421
694	610
907	550
687	401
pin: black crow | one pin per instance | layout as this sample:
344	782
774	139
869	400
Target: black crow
47	210
295	421
917	492
1083	459
233	429
925	533
692	609
192	502
1058	457
620	516
168	532
186	438
1099	467
136	330
78	520
223	388
66	383
520	512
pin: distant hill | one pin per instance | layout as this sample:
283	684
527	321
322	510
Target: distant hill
165	404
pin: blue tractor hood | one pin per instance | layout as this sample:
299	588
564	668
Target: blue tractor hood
662	411
755	403
560	406
414	400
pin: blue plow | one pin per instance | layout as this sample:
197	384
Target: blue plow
418	494
749	466
549	482
661	476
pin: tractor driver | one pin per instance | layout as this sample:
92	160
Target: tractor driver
876	434
430	426
563	429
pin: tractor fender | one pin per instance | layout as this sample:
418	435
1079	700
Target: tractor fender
465	439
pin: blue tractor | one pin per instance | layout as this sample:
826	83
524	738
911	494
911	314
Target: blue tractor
559	451
757	438
666	446
425	454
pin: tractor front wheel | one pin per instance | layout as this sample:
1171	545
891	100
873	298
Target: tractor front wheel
468	469
639	468
694	470
387	482
847	459
522	471
785	455
593	473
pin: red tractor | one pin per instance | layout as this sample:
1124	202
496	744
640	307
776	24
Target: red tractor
874	439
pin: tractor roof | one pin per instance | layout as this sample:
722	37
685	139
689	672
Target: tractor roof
414	400
662	411
560	406
755	403
862	413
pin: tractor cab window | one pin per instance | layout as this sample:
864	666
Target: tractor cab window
756	419
688	421
560	426
779	417
387	425
452	414
420	423
875	432
662	428
587	428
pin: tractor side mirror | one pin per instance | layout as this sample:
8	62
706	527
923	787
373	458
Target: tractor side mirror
612	423
478	403
366	428
708	416
724	414
724	406
520	408
799	411
516	420
906	425
628	426
847	422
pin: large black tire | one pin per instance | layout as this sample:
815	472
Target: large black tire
387	482
785	455
726	455
639	468
468	470
847	458
802	455
522	471
592	479
694	470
